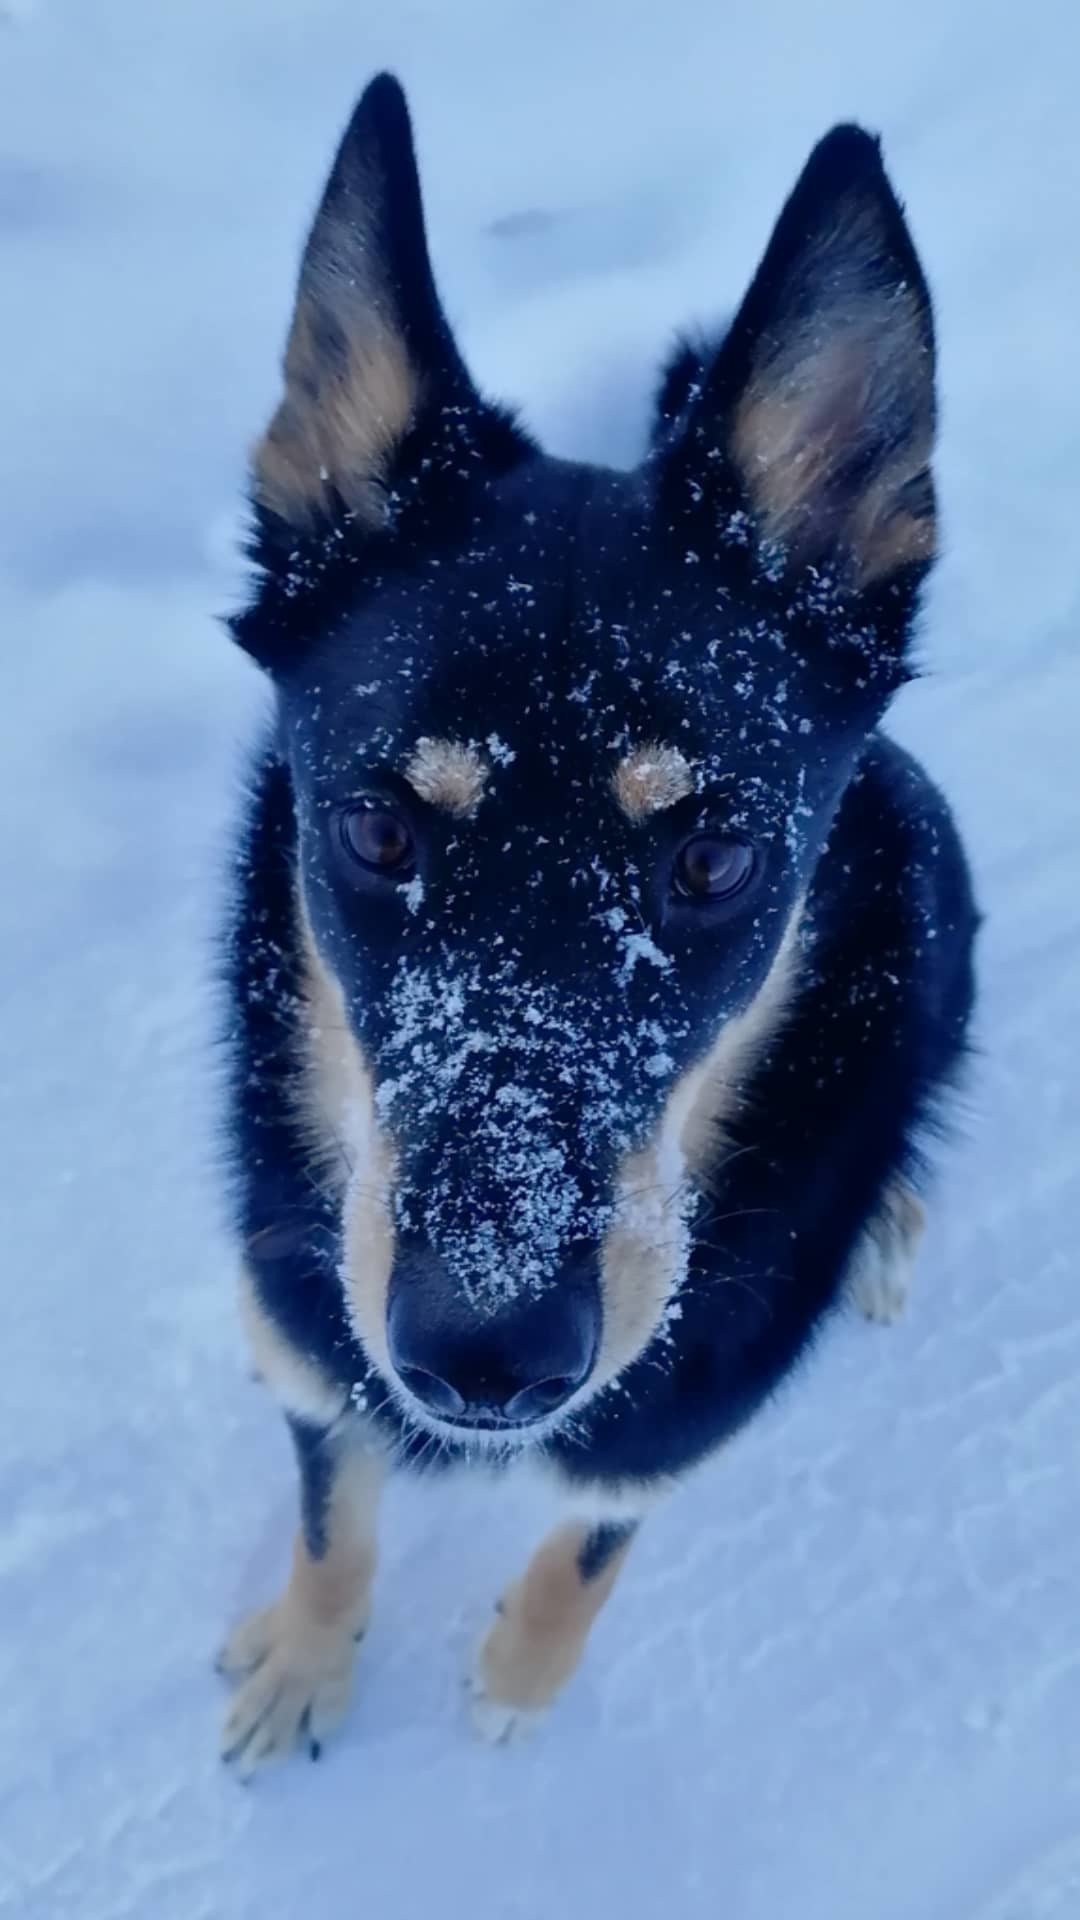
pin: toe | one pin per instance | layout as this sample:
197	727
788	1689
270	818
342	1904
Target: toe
283	1705
249	1716
249	1644
496	1722
328	1709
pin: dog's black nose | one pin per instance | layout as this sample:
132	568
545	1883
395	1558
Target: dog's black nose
513	1363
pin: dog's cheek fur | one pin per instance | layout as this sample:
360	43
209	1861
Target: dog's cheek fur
297	1383
337	1103
646	1251
369	1252
334	1093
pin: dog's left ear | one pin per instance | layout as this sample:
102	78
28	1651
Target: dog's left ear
814	421
370	356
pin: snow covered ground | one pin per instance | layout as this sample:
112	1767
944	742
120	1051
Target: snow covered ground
841	1678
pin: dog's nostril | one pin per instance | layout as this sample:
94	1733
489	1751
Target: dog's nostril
531	1403
513	1367
436	1394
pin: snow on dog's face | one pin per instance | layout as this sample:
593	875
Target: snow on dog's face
565	746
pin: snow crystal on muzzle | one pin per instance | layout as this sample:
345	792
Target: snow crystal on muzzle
509	1105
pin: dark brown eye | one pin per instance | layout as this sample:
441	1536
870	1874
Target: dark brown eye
378	838
712	866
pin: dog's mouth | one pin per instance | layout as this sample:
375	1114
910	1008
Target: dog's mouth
483	1430
489	1423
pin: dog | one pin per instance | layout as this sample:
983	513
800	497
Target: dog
597	970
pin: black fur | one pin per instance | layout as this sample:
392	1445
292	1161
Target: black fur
317	1461
682	382
584	611
600	1546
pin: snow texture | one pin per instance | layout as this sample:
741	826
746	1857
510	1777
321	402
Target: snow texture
841	1675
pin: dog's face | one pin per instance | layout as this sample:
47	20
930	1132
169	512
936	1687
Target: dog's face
565	746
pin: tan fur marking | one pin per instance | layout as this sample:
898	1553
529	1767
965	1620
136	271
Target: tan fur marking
336	1590
539	1635
644	1253
337	1099
881	1267
808	406
296	1656
887	538
369	1253
295	1380
334	1090
351	392
448	774
651	778
711	1092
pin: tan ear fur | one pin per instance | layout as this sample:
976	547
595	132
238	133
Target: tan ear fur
793	431
834	429
351	392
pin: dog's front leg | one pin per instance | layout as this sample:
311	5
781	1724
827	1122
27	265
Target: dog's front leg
295	1658
543	1622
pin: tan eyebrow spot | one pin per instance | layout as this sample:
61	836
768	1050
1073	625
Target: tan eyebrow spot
650	778
448	774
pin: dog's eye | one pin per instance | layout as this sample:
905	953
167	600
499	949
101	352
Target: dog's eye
378	838
712	866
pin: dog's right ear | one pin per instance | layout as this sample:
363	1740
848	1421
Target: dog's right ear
806	436
370	357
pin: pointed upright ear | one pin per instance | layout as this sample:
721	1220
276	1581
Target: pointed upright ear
817	412
369	348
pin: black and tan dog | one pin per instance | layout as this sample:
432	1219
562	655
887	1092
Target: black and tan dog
596	966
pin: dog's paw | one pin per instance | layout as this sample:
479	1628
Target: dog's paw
497	1722
498	1725
521	1667
296	1684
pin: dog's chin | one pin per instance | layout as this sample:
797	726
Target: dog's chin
495	1439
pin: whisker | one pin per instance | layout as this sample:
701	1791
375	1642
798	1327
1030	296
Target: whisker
737	1213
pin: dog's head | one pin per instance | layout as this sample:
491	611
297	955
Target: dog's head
565	745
